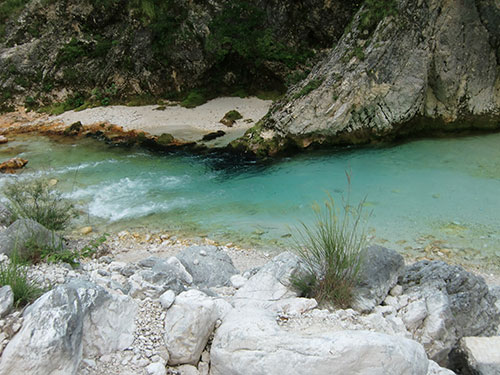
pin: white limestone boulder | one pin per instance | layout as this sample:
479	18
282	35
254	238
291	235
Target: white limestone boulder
250	342
50	340
6	300
188	325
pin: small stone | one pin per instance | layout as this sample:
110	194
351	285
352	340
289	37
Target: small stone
89	362
396	291
3	139
196	262
167	299
53	182
16	327
237	281
203	253
85	230
188	370
156	369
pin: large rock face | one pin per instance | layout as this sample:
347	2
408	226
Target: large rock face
427	65
62	48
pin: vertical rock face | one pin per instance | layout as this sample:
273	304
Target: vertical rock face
425	65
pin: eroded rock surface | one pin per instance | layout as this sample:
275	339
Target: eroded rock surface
427	65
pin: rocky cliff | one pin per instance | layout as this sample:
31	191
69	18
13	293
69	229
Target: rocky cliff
107	50
402	67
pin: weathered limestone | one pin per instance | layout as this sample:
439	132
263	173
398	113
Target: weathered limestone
71	319
209	266
271	283
6	300
249	341
430	65
379	272
188	325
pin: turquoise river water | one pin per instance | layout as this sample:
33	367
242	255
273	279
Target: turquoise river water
441	193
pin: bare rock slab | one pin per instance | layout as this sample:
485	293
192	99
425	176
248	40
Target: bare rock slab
250	342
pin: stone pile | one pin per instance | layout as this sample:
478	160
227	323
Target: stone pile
195	313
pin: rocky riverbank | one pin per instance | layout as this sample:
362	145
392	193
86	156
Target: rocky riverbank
155	305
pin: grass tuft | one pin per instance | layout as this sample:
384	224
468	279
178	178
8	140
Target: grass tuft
16	275
332	250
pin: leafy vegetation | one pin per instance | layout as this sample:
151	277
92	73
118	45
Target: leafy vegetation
239	31
8	10
16	275
233	115
60	255
37	200
332	250
310	87
194	99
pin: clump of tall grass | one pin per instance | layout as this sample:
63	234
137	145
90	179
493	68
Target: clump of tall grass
15	274
39	201
332	250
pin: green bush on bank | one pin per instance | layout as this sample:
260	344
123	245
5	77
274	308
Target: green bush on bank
332	250
39	201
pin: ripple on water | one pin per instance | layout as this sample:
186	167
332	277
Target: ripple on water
414	189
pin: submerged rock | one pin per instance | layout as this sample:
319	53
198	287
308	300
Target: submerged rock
11	165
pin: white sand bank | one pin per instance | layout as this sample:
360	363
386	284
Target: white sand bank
182	123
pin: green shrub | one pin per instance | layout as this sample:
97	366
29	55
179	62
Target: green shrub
8	10
35	253
332	250
310	87
233	115
71	52
37	200
240	30
375	11
194	99
16	275
165	139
